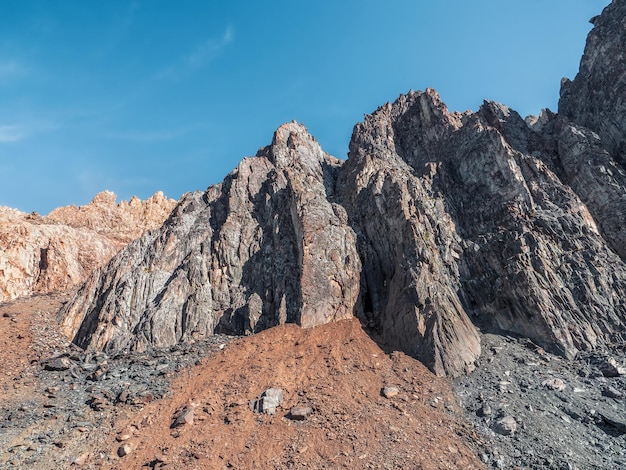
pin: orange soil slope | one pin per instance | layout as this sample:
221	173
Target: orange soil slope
338	371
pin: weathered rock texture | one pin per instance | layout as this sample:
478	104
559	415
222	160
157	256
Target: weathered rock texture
265	247
437	222
58	251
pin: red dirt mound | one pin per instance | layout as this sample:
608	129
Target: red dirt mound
335	369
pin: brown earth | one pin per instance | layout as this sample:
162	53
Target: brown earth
27	334
335	369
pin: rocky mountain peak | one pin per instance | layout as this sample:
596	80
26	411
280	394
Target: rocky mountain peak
439	224
106	197
292	144
594	98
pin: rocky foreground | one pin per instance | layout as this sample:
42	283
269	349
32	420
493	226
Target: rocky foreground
191	405
345	403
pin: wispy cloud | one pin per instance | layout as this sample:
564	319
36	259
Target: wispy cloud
200	56
11	134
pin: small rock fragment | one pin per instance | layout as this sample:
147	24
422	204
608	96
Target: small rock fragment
505	426
300	413
97	403
183	417
612	392
485	410
125	449
610	368
57	364
554	384
81	459
390	392
123	396
269	400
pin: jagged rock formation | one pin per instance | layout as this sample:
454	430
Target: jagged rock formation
437	222
58	251
264	247
121	222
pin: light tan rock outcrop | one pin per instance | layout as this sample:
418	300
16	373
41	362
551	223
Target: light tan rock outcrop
58	251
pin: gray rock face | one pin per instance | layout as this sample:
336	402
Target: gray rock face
595	98
265	247
407	239
437	222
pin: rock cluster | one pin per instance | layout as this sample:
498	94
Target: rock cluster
43	254
437	222
78	401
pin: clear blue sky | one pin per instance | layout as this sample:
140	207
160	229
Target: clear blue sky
148	95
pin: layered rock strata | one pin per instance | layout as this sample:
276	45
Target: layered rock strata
437	222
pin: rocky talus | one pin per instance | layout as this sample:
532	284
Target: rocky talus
55	252
439	223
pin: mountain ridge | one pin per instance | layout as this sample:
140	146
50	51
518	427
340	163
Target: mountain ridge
437	222
55	252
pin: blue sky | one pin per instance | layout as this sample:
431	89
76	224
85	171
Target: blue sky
148	95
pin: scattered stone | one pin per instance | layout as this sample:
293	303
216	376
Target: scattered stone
183	417
390	392
505	426
98	374
300	413
81	459
554	384
269	400
616	422
123	396
57	364
609	367
97	403
485	410
125	449
612	392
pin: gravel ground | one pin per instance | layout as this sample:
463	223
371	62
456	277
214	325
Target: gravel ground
62	405
537	410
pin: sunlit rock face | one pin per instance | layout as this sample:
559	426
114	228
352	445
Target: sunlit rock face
266	246
58	251
437	224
